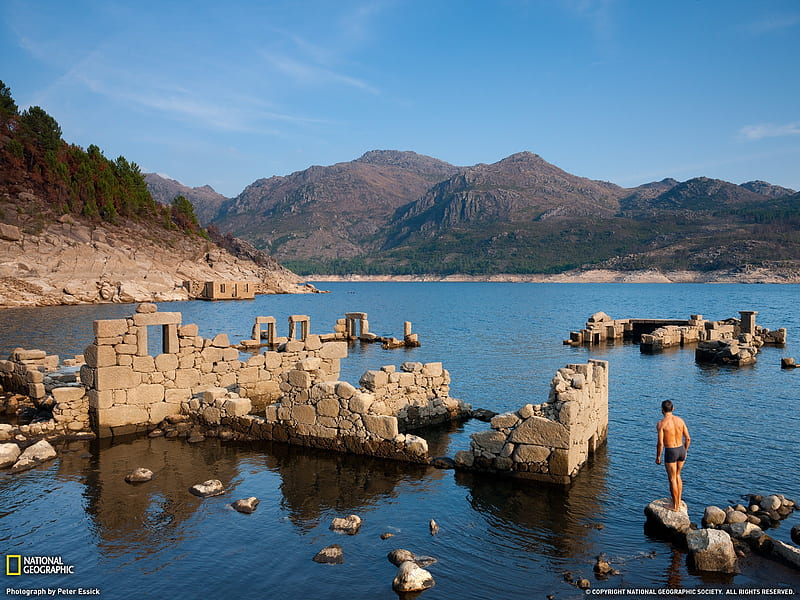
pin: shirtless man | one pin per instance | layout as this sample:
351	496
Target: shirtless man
674	440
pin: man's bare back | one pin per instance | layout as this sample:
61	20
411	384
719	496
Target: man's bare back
671	431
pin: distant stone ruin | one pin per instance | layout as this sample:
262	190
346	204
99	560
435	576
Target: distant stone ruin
730	341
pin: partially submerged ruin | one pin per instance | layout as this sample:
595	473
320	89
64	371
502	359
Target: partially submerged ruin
729	341
291	392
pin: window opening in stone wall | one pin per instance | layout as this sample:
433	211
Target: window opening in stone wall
155	340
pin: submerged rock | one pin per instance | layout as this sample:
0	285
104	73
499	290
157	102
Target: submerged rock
795	533
412	578
387	535
212	487
434	527
330	555
349	525
139	475
34	455
246	505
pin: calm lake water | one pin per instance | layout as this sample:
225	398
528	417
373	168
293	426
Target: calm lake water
498	538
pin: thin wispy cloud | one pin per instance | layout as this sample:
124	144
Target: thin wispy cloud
761	131
772	24
308	73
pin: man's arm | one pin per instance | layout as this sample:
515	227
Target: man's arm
687	439
659	444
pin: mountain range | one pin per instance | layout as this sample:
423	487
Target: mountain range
393	212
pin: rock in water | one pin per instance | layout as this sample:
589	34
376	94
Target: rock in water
349	525
386	536
246	505
434	527
399	556
139	475
602	568
330	555
713	516
34	455
795	533
9	453
712	550
667	522
411	578
212	487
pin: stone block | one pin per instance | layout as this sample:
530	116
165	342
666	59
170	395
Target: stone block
189	330
64	395
310	364
237	407
147	307
373	380
382	426
313	343
230	354
272	360
166	362
333	350
177	395
162	410
490	441
125	360
100	356
344	390
143	364
360	403
541	432
304	414
504	421
300	379
328	407
157	318
100	400
526	453
115	378
211	415
712	550
255	361
125	349
294	346
147	393
566	462
211	355
107	328
433	369
406	379
34	376
117	416
187	378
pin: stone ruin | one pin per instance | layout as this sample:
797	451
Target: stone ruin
291	392
549	441
730	341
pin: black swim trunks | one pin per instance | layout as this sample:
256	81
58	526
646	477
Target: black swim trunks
676	454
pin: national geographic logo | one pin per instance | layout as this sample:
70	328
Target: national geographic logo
16	564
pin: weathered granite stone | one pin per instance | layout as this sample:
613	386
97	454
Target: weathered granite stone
712	550
527	453
9	453
786	553
743	530
139	475
246	505
34	455
330	555
491	440
381	426
541	432
212	487
770	502
504	421
349	524
412	578
398	556
735	516
713	516
665	521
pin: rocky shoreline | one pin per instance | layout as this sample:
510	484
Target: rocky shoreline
744	275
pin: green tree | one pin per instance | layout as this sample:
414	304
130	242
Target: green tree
43	128
7	105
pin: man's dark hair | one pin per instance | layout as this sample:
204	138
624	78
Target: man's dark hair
666	406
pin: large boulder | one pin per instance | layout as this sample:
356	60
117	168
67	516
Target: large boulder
9	453
34	455
665	522
712	550
412	578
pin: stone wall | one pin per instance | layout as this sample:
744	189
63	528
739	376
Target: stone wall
129	390
549	441
23	372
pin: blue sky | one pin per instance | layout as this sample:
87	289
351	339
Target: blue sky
223	93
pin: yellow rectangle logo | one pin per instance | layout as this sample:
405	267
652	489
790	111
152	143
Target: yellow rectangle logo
10	570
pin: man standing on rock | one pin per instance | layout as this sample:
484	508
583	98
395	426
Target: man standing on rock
674	440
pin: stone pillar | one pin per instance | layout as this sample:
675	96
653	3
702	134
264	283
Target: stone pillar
406	329
748	320
304	322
